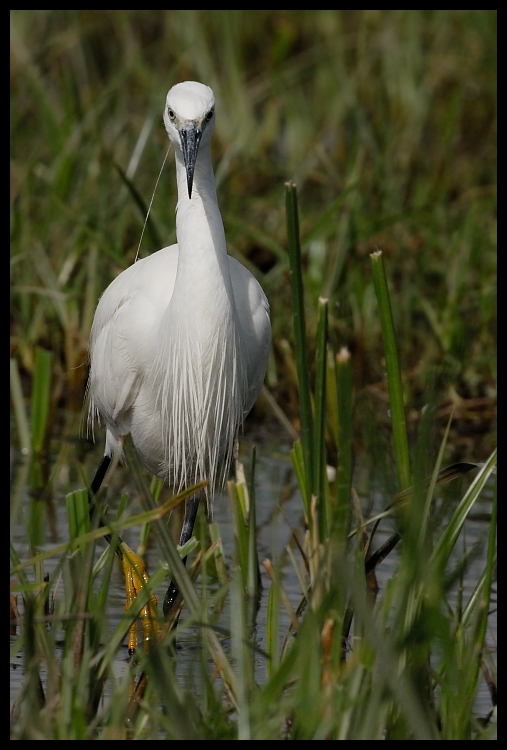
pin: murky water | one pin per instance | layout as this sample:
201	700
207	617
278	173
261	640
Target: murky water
279	511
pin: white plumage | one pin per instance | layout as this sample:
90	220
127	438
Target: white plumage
180	340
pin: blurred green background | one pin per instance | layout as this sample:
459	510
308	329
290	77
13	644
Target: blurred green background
386	120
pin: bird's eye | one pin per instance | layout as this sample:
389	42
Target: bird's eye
210	115
171	114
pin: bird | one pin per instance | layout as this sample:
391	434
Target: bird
180	340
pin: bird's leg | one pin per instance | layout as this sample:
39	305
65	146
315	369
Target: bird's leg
93	491
99	475
191	508
136	577
133	568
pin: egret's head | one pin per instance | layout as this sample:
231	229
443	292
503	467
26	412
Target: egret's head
189	118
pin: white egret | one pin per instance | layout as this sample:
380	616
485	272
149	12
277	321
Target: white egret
180	340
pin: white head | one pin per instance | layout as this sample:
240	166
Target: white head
189	118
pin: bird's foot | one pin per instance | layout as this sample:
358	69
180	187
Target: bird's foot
135	579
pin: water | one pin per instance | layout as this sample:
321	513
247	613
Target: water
279	512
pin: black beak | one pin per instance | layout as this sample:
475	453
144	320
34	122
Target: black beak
190	137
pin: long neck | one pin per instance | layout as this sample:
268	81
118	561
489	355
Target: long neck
202	259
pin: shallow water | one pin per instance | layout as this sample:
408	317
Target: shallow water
279	510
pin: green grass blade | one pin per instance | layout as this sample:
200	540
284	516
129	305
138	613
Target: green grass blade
446	543
19	482
234	491
116	527
300	470
218	554
344	442
36	526
25	443
400	440
78	514
298	311
272	625
319	458
424	517
484	602
41	395
478	593
253	576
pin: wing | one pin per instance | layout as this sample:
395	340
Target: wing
253	311
123	338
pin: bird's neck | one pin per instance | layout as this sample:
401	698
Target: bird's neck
203	267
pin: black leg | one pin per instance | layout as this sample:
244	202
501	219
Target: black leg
100	474
94	488
191	508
